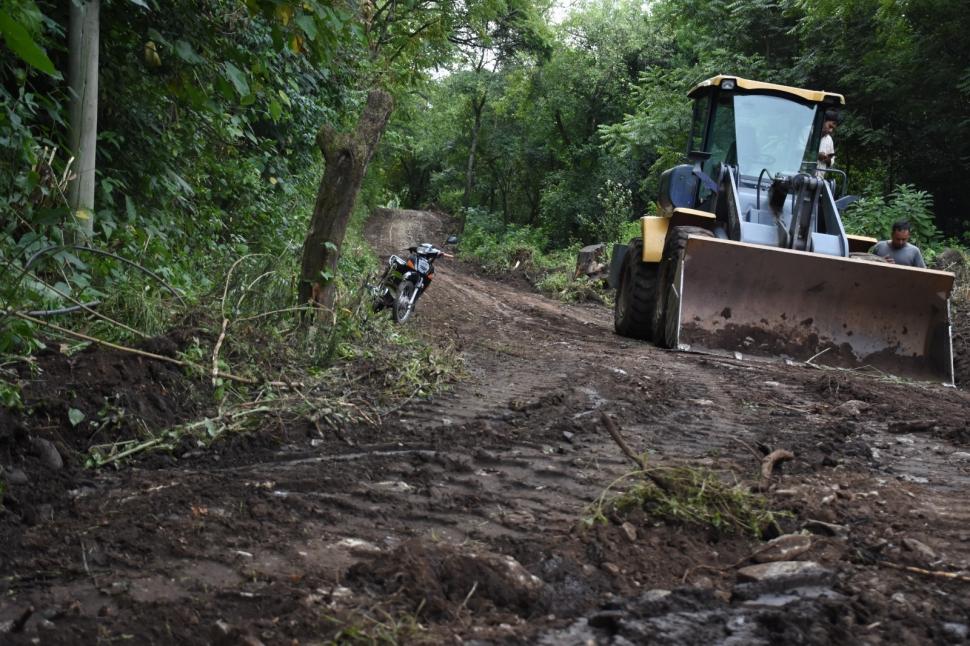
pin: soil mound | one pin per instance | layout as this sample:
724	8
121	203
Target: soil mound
441	581
72	402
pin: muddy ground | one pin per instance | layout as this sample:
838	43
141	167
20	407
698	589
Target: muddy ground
461	518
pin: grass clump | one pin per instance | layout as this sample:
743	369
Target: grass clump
381	628
688	496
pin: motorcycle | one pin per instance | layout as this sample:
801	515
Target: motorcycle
405	279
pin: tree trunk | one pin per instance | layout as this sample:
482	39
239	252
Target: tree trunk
83	79
477	106
347	156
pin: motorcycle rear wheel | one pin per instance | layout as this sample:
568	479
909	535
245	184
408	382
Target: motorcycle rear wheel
403	305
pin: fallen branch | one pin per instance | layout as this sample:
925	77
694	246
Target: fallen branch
913	426
816	356
757	456
99	252
615	434
773	459
17	625
382	414
468	597
225	320
638	460
215	353
149	355
918	570
296	308
87	307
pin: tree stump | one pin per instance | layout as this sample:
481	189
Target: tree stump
589	261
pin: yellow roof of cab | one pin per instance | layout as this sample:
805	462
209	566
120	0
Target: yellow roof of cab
815	96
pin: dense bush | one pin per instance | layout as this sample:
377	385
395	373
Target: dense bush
874	216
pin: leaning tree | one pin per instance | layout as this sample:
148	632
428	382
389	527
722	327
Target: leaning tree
400	42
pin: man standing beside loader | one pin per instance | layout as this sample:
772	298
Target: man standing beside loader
897	249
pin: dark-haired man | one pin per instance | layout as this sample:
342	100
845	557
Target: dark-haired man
826	148
898	250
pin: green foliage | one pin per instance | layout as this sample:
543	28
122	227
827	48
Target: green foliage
376	628
565	287
616	203
18	38
10	397
692	496
501	250
206	152
874	216
608	108
496	248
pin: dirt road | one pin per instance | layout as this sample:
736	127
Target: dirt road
462	518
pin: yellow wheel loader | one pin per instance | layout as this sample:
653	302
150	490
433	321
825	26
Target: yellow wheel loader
748	254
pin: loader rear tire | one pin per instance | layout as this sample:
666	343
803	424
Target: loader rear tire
636	296
667	314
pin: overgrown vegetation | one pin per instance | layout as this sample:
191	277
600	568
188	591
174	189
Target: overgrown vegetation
691	496
874	216
267	368
523	249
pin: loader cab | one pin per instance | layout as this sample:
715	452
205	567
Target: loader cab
759	129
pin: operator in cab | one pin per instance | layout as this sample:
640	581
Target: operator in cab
897	249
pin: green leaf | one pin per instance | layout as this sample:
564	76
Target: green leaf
238	79
130	208
308	26
75	416
153	34
184	51
225	88
140	3
329	246
275	110
284	97
20	42
48	216
108	227
69	258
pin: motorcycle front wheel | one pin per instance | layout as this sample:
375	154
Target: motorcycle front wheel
403	304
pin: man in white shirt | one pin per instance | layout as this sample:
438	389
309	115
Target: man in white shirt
826	147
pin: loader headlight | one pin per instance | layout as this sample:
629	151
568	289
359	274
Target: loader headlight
727	84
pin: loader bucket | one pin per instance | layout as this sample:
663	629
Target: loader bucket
840	312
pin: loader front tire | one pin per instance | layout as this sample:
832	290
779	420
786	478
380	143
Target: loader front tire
667	314
636	295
